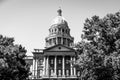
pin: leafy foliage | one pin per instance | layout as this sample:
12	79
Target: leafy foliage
99	50
12	62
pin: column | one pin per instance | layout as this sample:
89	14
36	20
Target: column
36	67
63	66
56	40
74	67
44	71
71	70
47	66
33	67
61	40
55	65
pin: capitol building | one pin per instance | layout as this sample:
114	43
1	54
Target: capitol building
54	61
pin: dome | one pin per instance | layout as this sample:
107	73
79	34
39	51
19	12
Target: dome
59	19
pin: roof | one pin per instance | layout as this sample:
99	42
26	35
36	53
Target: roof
59	20
47	49
59	50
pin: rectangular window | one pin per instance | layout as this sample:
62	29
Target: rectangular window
67	72
54	40
40	62
50	41
51	73
59	72
59	61
64	40
51	61
59	40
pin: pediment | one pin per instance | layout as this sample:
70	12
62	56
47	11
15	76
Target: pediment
59	48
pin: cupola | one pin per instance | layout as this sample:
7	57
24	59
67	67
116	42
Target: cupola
59	32
59	20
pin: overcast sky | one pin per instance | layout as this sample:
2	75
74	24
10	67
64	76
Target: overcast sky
28	21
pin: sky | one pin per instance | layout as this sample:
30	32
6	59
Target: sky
28	21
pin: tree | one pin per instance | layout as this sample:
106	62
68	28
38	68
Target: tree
99	50
12	60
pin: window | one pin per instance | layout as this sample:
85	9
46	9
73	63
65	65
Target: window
59	61
78	73
67	72
51	61
68	42
59	40
66	30
63	30
50	41
64	41
59	72
59	29
38	74
51	73
41	73
67	61
40	62
54	40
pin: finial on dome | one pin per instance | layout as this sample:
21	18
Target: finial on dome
59	11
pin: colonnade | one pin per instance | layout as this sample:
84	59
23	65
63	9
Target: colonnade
46	66
54	41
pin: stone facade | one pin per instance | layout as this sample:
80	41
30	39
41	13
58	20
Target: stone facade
53	62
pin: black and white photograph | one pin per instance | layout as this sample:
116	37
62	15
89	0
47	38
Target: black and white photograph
59	39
